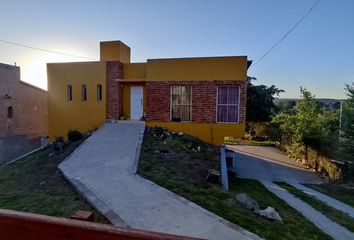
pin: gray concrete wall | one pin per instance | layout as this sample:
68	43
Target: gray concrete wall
12	147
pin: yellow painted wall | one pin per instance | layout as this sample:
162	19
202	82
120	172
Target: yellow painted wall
134	71
211	133
209	68
114	51
126	98
84	116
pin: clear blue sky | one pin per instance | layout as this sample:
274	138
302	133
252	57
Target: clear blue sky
318	55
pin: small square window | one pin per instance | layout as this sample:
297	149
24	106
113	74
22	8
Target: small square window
84	93
99	92
69	92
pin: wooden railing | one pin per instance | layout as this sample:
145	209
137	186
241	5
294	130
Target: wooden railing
26	226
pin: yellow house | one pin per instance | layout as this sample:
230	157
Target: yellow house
204	97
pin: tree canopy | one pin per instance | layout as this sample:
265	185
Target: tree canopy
348	119
260	101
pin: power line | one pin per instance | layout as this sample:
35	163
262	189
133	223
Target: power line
297	23
44	50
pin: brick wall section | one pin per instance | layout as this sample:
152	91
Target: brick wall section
203	100
114	70
29	103
158	101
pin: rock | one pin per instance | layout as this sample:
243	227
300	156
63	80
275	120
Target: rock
164	151
213	176
198	148
247	202
180	134
270	214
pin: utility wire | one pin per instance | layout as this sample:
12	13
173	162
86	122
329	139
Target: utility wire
44	50
297	23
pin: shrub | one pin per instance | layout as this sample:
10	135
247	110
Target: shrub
261	128
74	135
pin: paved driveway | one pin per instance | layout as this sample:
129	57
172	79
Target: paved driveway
269	164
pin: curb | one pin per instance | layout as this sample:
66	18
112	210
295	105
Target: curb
23	156
135	164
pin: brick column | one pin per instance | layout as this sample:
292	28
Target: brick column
114	71
243	101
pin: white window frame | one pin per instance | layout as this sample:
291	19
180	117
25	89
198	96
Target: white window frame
238	105
190	104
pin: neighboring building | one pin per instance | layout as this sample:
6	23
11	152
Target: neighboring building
23	114
204	97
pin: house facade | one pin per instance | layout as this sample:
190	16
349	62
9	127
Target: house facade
204	97
23	114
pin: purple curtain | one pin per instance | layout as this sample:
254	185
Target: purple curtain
228	101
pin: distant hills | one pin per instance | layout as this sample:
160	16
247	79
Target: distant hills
326	103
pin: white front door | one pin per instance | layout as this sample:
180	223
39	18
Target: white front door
136	102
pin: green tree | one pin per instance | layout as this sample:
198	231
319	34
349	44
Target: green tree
348	119
260	101
308	126
308	119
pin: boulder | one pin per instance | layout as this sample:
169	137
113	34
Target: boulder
247	202
270	214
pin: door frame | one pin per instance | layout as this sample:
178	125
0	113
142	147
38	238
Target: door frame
131	102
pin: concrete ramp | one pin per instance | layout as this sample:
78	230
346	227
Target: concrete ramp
103	169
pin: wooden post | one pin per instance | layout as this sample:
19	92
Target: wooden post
224	177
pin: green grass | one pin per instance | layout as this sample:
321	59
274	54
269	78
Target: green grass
182	170
33	185
335	215
250	142
336	191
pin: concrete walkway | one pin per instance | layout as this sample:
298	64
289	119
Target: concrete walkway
103	167
326	199
325	224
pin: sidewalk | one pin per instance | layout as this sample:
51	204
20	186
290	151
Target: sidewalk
103	167
325	224
326	199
